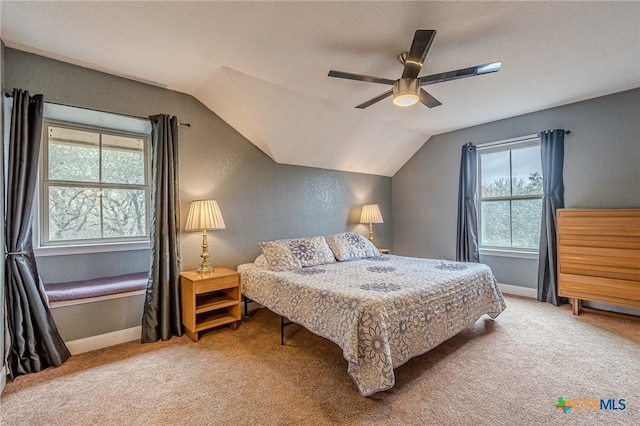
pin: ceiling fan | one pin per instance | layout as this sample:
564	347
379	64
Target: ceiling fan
407	90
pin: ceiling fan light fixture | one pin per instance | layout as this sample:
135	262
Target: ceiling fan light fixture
406	92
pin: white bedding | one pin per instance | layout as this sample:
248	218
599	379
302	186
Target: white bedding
381	311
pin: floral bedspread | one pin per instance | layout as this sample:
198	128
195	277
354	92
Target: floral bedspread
381	311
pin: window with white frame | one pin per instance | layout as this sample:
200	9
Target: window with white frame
510	195
94	185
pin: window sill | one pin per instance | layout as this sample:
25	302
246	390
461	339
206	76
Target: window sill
508	253
91	248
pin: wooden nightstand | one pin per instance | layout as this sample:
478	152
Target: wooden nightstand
384	251
209	300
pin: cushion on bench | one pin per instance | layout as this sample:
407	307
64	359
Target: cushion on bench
59	292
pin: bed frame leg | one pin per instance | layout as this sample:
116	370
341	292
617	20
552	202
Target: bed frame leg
283	324
246	305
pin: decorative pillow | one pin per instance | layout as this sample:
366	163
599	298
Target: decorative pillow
261	262
279	256
350	246
311	251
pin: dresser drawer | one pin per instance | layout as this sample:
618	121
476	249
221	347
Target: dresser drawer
219	284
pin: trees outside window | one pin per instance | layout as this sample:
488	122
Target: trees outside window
95	185
510	195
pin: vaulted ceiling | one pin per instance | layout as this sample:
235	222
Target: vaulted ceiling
262	66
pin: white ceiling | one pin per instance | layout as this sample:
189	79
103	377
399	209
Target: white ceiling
262	66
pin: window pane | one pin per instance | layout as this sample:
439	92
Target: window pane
124	213
526	218
495	224
74	213
495	177
526	171
73	135
122	160
73	155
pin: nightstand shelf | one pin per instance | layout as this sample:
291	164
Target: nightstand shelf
212	319
214	303
384	250
209	300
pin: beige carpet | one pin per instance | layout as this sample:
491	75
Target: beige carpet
510	371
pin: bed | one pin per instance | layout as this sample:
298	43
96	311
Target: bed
382	310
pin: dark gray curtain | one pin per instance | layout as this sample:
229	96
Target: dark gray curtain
34	342
467	235
161	317
552	154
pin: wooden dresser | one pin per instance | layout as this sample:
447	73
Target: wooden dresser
599	256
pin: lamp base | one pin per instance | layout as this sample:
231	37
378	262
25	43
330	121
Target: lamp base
205	268
371	232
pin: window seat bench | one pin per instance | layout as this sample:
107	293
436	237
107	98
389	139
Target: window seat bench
96	288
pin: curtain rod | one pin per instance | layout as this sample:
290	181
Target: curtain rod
9	95
513	140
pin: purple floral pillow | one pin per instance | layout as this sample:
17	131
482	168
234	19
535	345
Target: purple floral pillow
286	255
261	262
350	246
311	251
279	256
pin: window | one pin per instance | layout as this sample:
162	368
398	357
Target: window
510	195
95	185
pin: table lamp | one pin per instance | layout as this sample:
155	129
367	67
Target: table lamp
203	215
371	214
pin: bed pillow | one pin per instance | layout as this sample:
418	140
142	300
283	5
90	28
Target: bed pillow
261	262
350	246
311	251
279	256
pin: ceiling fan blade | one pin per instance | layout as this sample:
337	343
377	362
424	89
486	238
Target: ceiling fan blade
421	43
360	77
374	100
461	73
428	100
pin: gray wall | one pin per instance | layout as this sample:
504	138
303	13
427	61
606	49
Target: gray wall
260	200
601	169
95	318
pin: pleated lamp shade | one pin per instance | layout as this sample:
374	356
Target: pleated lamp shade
204	214
371	214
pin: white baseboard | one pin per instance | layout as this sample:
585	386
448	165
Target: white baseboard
103	340
3	378
516	290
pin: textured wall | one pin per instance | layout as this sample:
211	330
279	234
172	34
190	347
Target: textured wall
601	169
260	200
